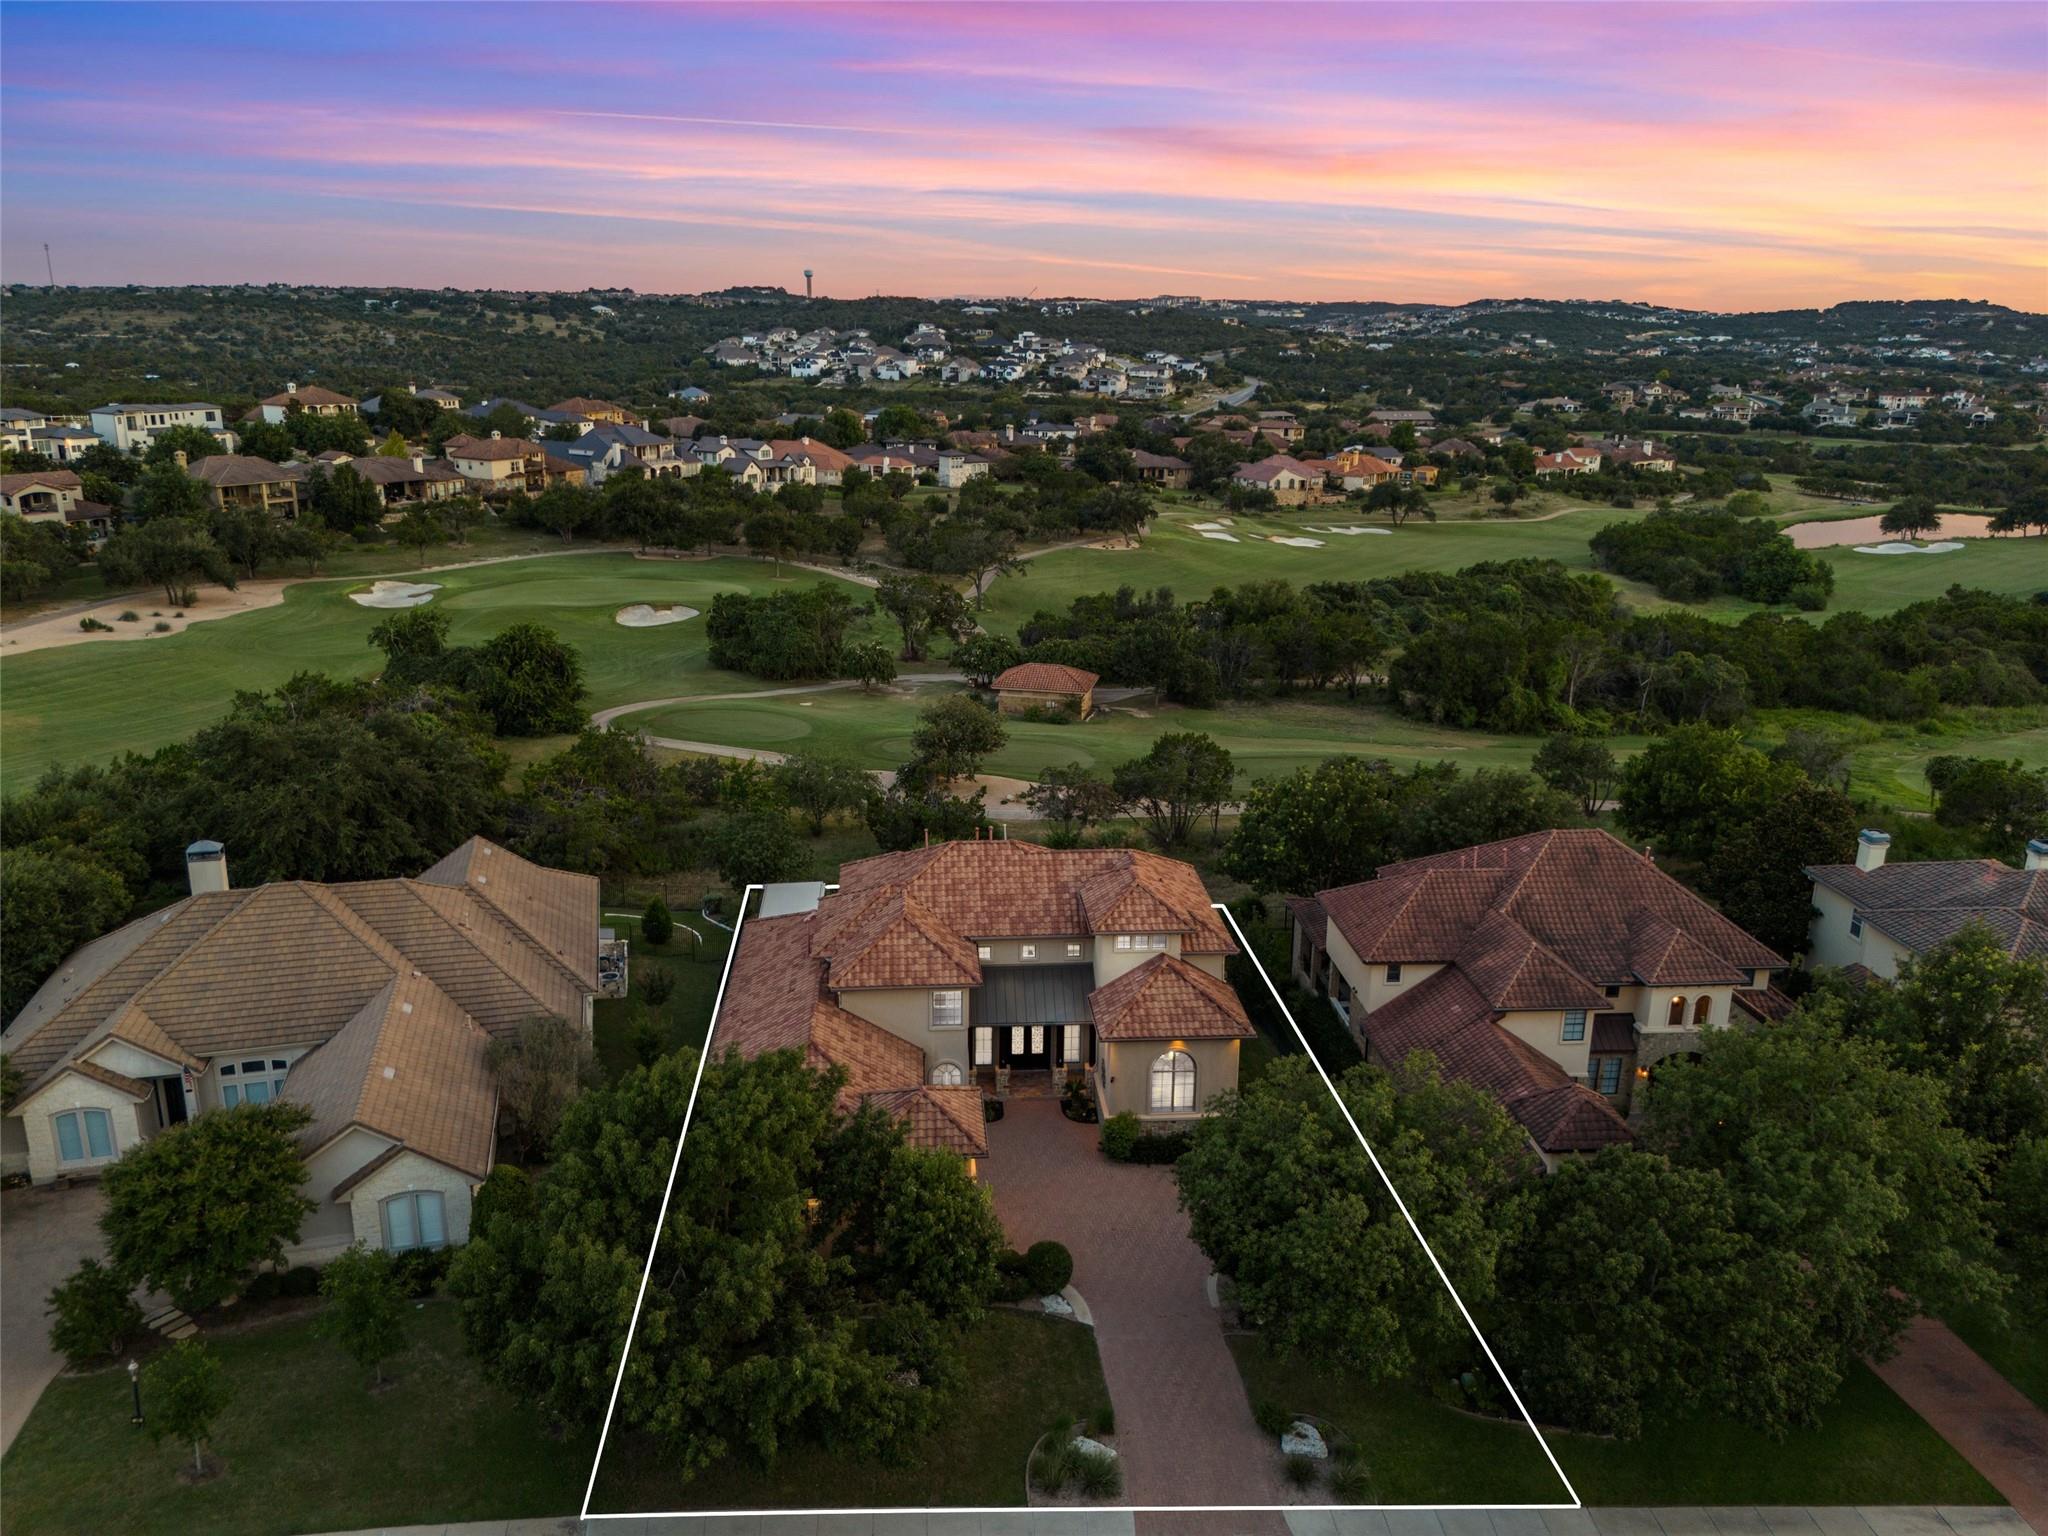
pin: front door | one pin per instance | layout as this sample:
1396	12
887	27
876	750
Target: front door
1026	1047
170	1092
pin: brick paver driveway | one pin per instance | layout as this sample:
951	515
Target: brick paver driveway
1184	1427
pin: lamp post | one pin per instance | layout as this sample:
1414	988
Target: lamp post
135	1387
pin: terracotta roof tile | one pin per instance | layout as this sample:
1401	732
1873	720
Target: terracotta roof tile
948	1118
1168	999
1045	677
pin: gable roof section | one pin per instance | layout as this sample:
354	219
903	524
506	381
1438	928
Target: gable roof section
1045	677
555	908
892	940
1922	904
1511	970
1168	999
1660	954
948	1118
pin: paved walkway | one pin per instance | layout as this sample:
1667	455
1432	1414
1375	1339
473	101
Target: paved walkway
1447	1522
43	1235
1998	1430
1184	1427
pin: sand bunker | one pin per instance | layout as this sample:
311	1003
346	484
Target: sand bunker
1939	547
1348	532
647	616
1276	538
1227	538
1221	522
397	594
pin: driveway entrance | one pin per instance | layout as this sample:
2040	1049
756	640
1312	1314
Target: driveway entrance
43	1235
1184	1426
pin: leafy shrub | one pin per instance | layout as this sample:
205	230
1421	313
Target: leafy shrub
1120	1135
657	985
129	616
1301	1471
1012	1283
420	1271
161	626
300	1280
1102	1421
1048	1266
91	624
1272	1419
1099	1477
1350	1483
95	1314
184	597
656	925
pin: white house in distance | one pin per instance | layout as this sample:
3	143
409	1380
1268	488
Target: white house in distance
372	1003
132	428
1875	915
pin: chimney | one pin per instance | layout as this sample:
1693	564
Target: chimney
419	464
206	867
495	435
291	386
2037	853
1870	848
178	454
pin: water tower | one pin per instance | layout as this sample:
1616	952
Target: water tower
807	282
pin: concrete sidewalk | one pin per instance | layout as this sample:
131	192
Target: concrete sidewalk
1875	1521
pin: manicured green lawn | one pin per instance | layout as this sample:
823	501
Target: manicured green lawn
1871	1449
1888	762
90	702
306	1446
1023	1372
685	1019
2017	1350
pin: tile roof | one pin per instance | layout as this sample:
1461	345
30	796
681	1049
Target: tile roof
54	479
1446	1016
1614	1034
219	469
1046	677
890	939
312	394
948	1118
1168	999
1920	904
490	449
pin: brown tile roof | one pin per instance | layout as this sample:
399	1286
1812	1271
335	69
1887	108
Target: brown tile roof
1921	904
388	469
312	394
554	908
409	1065
53	479
1511	970
1310	914
874	1059
583	405
113	1079
1446	1016
219	469
888	938
948	1118
1168	999
1661	954
1614	1034
1046	677
491	449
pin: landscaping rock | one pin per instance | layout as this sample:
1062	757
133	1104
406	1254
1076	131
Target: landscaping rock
1304	1439
1096	1448
1058	1306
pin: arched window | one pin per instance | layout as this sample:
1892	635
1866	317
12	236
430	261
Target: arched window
947	1074
1173	1083
1702	1010
1676	1018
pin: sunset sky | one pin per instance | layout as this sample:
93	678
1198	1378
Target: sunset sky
1721	156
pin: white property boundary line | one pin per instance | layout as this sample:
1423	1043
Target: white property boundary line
1006	1509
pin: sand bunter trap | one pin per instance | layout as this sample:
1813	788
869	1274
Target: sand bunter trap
396	594
647	616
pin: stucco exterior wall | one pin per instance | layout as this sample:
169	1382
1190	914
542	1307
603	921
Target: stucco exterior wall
409	1171
1015	701
906	1012
1829	941
132	1061
1125	1071
1369	982
1544	1031
1050	950
71	1091
1111	962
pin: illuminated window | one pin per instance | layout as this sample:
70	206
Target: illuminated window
947	1074
1071	1049
1702	1012
1029	951
1173	1083
1675	1019
984	952
1073	951
984	1047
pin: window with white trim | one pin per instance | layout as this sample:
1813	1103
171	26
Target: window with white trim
415	1219
1071	1050
1028	951
1073	951
1394	973
1141	941
1855	926
252	1082
949	1009
1575	1023
947	1074
84	1136
984	1046
984	951
1173	1083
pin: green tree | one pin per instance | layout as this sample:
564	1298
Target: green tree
2002	803
983	657
247	535
1912	515
952	737
869	663
1693	783
771	535
96	1315
394	446
344	500
1183	775
1073	798
420	529
186	1392
758	847
1757	868
821	784
922	606
459	514
365	1312
1580	766
1843	1167
169	553
657	927
195	443
51	902
539	1070
195	1208
414	642
1318	827
528	681
1285	1203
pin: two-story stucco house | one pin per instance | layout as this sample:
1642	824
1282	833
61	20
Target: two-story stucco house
935	972
372	1003
1552	970
1875	915
132	428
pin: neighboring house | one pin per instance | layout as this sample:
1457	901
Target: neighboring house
1421	421
237	480
132	428
18	426
55	496
606	449
1290	480
1643	454
1045	685
371	1003
934	972
1161	469
313	400
595	410
498	465
1875	914
533	413
1553	970
402	482
1355	469
1568	461
956	468
62	443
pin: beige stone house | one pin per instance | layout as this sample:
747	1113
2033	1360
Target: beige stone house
937	974
239	480
1045	685
1875	915
1554	970
498	465
56	496
370	1002
312	399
